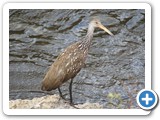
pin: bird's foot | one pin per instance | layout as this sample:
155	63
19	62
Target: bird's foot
73	105
60	94
63	97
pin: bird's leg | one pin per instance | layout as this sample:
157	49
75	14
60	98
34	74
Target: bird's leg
60	93
70	91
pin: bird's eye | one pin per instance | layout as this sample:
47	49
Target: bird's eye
96	22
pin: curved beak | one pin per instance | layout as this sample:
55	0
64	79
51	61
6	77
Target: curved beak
105	29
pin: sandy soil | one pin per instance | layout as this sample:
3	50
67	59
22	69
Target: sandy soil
49	102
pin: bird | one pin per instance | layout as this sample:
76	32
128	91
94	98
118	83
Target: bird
69	62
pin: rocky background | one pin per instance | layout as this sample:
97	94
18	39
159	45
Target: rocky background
115	67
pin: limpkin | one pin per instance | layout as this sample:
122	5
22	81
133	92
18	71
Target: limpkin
70	61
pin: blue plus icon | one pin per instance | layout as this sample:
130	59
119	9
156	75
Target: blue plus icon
147	99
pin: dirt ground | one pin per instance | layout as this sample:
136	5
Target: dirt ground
49	102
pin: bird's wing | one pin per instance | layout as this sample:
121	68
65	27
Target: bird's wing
72	60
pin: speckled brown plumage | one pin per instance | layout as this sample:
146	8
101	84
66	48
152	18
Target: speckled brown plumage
65	67
70	62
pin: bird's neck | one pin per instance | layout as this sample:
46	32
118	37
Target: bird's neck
88	38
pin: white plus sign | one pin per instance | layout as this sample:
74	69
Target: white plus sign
147	99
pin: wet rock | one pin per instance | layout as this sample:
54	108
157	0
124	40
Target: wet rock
133	22
111	21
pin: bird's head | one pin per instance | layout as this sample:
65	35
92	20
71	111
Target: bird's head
96	23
